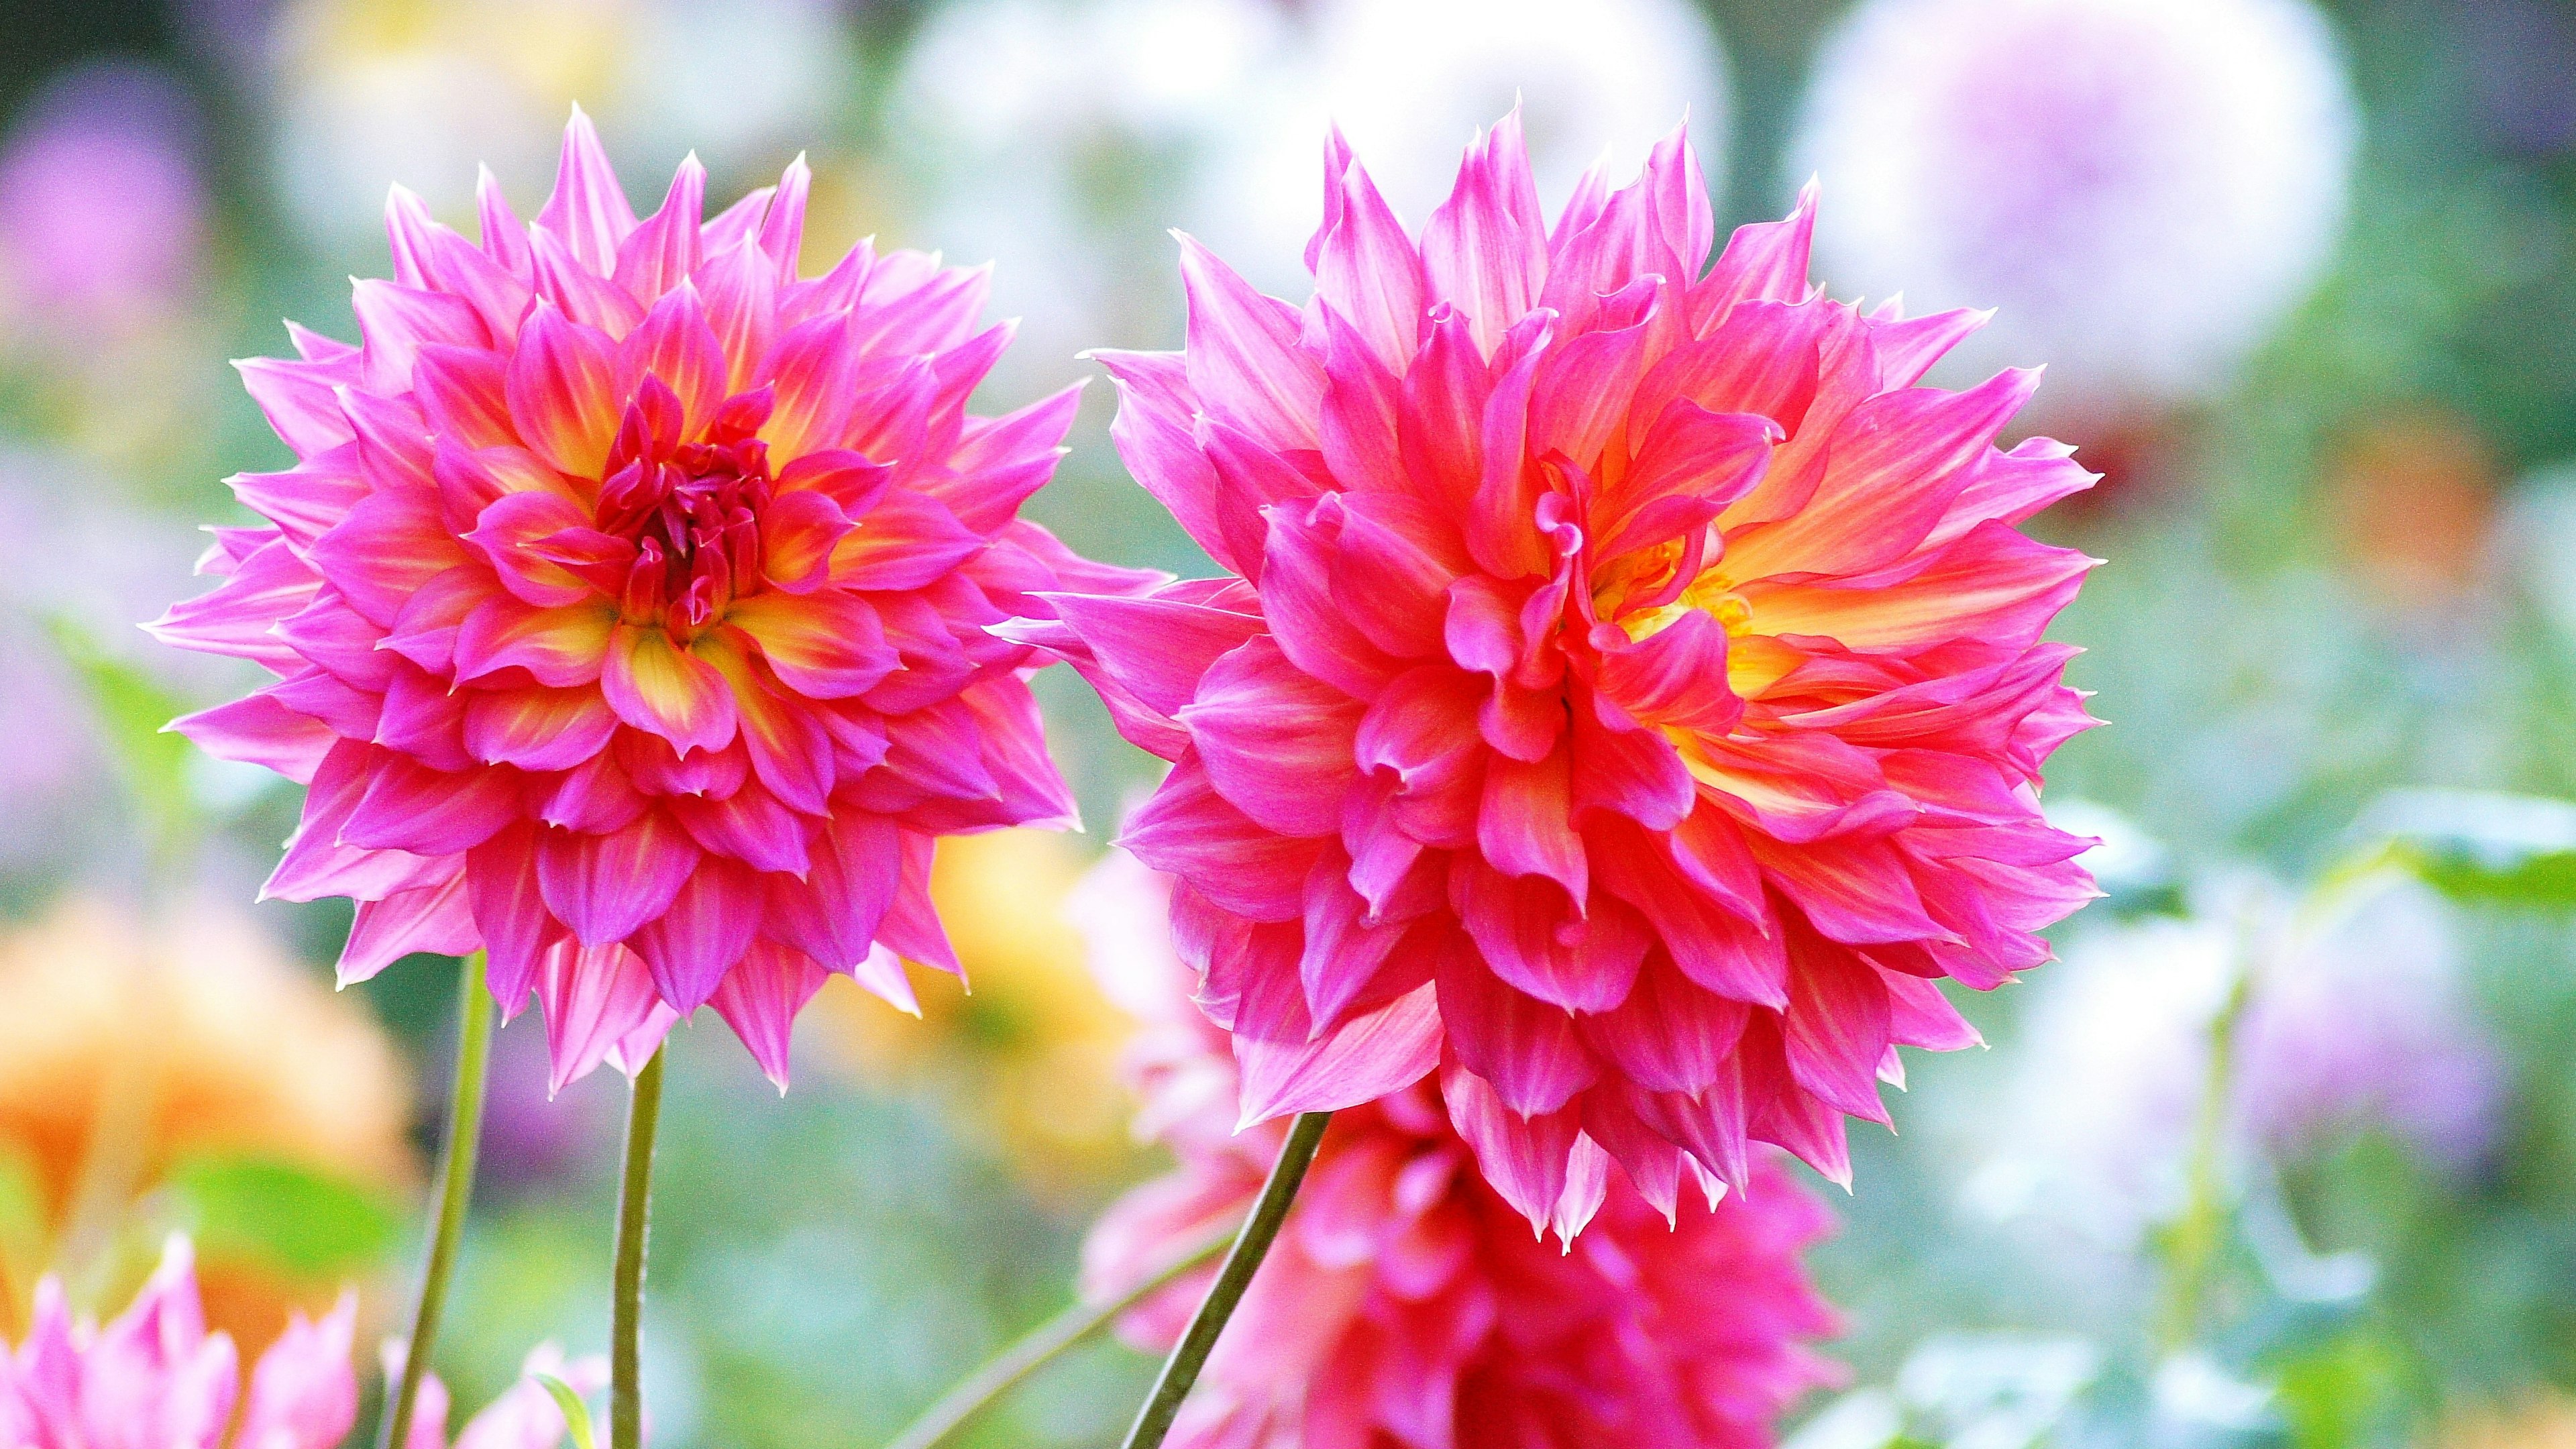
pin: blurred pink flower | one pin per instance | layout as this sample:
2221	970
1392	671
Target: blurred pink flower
102	211
1406	1302
1630	701
156	1379
628	600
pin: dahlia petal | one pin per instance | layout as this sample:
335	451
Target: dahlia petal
303	1393
1350	960
1249	478
1528	1051
397	322
510	915
657	257
1485	248
587	210
798	532
1661	679
606	886
1307	622
1422	729
665	690
1276	742
307	499
240	616
411	807
297	399
1897	463
740	289
595	999
1501	519
1243	360
1360	1061
1854	891
1366	268
782	226
1766	260
1631	772
759	999
1668	1034
537	729
790	751
1158	648
464	394
512	533
823	645
1541	946
257	730
1920	1016
1907	349
1691	464
1191	831
999	462
1523	823
1441	439
695	940
906	541
676	343
1579	401
423	720
911	925
559	648
318	864
1994	584
1524	1155
1838	1024
1782	1113
1397	560
1711	939
562	391
1587	1186
833	914
435	919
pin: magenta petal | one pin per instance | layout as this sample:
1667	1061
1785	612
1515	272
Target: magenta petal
430	812
759	999
605	886
594	998
1360	1061
257	730
697	938
1528	1050
425	918
1276	742
1523	1155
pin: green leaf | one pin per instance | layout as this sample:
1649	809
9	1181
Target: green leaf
304	1222
576	1413
2476	846
135	710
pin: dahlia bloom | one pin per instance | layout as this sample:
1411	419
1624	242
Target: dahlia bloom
1405	1302
2143	188
156	1379
628	603
1630	697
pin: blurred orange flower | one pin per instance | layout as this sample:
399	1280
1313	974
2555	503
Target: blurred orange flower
131	1051
1028	1054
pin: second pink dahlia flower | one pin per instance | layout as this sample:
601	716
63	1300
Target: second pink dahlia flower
628	602
156	1379
1405	1303
1629	698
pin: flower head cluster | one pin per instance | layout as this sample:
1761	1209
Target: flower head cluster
1406	1303
2141	187
1628	698
628	603
156	1379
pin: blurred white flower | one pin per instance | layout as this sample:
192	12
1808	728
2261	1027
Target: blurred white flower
744	83
2141	187
1059	141
1410	81
2354	1018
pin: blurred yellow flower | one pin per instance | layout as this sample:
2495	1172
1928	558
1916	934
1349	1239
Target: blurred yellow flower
1028	1057
2542	1419
129	1050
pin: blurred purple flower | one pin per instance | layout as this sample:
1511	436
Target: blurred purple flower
531	1141
102	208
2520	59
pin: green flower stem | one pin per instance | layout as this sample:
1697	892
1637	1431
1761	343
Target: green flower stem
2194	1239
1181	1370
455	1191
626	1310
1004	1370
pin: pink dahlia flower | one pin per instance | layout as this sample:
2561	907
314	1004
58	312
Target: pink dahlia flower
1407	1303
1630	697
628	600
156	1379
